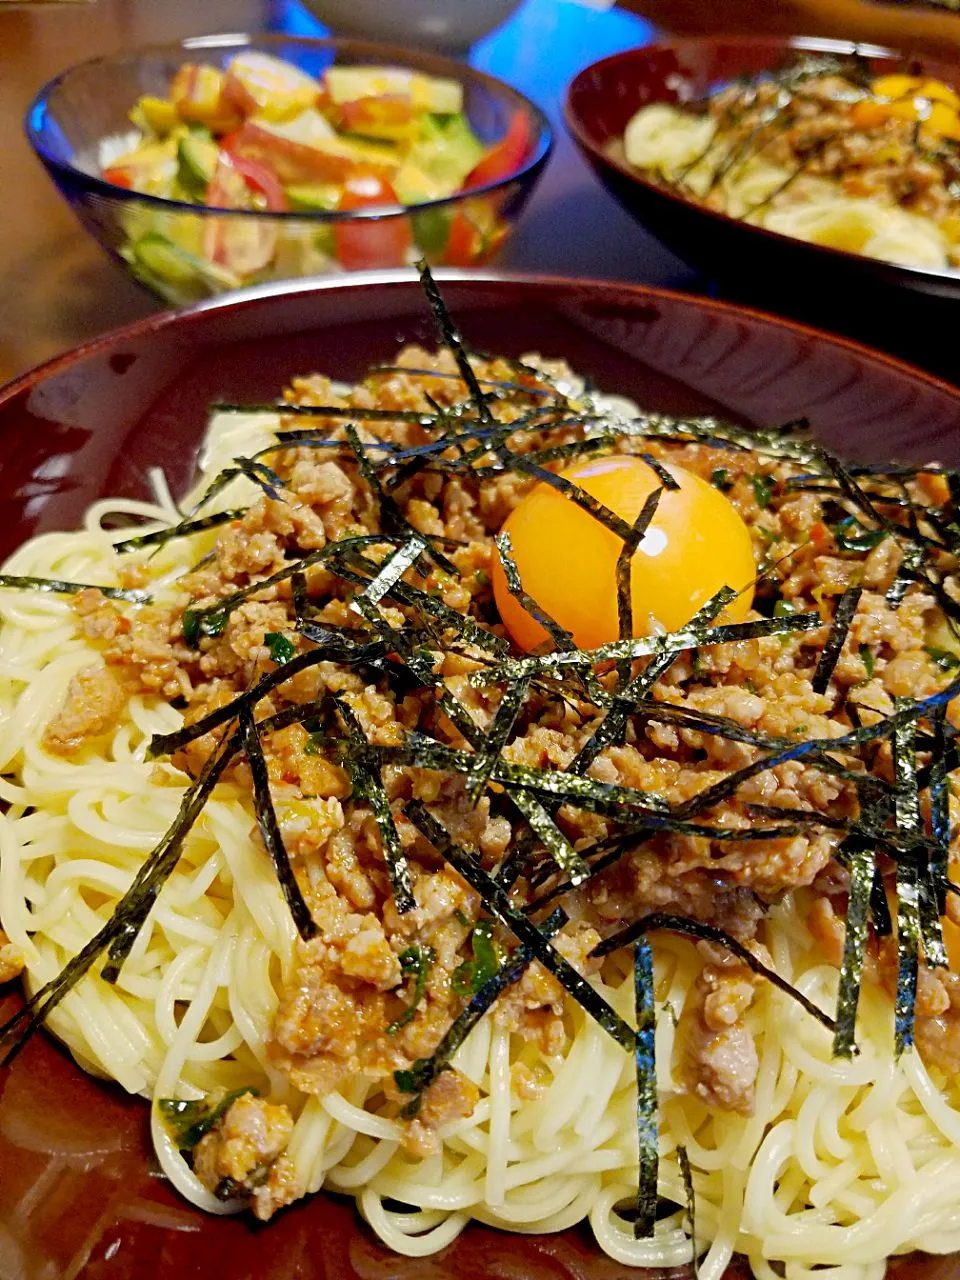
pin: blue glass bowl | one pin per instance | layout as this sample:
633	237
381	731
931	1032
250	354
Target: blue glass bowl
72	116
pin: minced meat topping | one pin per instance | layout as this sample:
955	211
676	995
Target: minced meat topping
347	1008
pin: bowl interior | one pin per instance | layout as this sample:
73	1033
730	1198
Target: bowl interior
91	102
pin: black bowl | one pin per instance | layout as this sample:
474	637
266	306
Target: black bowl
600	102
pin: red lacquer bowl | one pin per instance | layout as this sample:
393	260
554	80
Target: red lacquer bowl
602	99
80	1198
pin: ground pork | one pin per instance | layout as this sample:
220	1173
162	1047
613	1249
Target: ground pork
815	132
95	701
244	1153
376	990
11	959
716	1055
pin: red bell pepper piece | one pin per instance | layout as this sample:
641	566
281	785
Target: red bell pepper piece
504	157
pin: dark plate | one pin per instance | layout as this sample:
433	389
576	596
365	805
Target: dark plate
600	102
79	1196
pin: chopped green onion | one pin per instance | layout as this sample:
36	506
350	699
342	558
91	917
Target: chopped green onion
282	649
417	961
188	1122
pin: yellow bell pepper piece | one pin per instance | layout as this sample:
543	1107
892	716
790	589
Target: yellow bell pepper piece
937	91
158	114
895	86
905	109
943	120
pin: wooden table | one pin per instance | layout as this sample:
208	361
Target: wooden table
58	288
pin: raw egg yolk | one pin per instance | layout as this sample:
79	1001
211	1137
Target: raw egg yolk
695	544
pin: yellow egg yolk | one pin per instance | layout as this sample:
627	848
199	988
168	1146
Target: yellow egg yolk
567	559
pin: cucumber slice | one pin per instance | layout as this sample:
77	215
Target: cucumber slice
427	93
162	258
197	161
314	197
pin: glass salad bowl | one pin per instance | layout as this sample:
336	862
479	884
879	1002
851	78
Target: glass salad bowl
225	161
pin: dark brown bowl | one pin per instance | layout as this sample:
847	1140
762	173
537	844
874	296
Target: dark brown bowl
600	102
80	1197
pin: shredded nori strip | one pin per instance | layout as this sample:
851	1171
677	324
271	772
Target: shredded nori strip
940	808
392	519
908	946
325	411
368	785
264	477
270	831
560	636
585	793
688	637
707	933
424	1071
182	530
910	824
846	608
686	1174
867	733
393	568
55	586
580	497
907	572
857	856
188	1122
496	738
453	341
162	744
561	850
625	563
467	629
298	591
211	619
498	903
647	1110
611	728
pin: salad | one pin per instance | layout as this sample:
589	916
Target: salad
262	135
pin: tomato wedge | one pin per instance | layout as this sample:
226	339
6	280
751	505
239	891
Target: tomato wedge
366	243
119	178
464	242
505	157
257	176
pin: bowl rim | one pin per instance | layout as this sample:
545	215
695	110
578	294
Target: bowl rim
388	53
814	44
252	295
